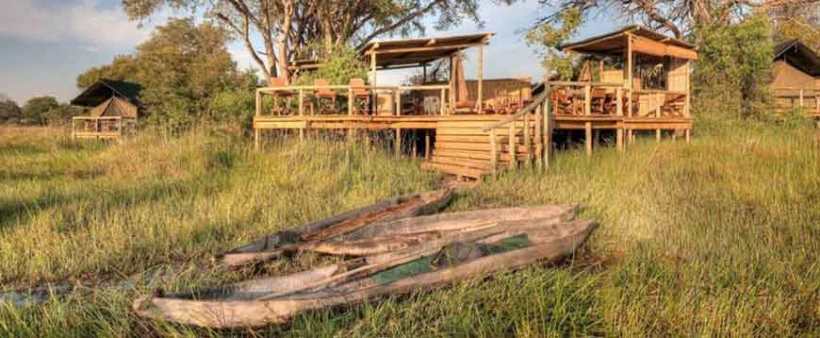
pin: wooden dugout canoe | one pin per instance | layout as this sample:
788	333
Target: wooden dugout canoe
294	239
276	300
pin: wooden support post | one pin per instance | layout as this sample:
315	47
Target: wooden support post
480	101
493	153
588	139
350	102
441	102
301	102
587	100
801	99
658	131
511	149
427	150
258	103
256	139
527	140
413	145
688	134
398	102
547	128
539	136
397	144
373	84
619	110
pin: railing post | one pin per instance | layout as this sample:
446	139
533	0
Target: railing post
350	101
527	143
619	133
301	102
511	150
398	102
801	99
258	102
441	103
493	153
587	100
539	136
547	127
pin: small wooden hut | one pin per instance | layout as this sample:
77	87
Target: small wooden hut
796	77
113	110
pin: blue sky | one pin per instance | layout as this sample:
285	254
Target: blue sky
45	44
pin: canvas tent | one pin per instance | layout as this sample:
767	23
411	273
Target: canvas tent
114	107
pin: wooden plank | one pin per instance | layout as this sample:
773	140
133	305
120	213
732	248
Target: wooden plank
511	147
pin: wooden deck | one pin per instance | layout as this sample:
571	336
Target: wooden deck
102	127
473	145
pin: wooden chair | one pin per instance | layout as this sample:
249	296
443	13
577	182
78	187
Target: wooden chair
359	90
324	94
280	82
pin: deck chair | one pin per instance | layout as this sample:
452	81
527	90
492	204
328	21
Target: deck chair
280	82
324	94
358	90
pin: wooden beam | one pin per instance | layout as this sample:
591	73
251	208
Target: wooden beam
588	138
398	142
480	99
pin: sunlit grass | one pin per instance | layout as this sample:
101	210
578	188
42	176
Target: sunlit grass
717	237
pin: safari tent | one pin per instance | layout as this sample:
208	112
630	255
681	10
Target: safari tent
796	77
113	110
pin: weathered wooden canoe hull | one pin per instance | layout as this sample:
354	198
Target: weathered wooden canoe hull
220	313
386	210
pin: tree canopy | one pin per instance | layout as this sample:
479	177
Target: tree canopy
180	68
36	108
290	29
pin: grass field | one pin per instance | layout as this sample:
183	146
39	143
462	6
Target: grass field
719	237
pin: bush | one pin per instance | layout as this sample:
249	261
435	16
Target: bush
733	68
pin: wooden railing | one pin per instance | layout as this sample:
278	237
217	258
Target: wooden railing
533	116
302	93
614	99
102	127
805	100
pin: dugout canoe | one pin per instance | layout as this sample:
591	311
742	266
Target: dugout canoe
278	299
293	239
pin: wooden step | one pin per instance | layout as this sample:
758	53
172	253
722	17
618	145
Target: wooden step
464	162
453	170
520	149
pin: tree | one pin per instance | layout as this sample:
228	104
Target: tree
180	68
799	21
304	28
8	108
36	108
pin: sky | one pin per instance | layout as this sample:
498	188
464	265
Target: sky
45	44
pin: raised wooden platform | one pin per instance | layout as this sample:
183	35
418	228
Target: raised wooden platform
474	145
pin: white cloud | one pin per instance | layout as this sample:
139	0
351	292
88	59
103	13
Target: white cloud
82	22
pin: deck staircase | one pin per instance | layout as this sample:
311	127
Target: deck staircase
473	149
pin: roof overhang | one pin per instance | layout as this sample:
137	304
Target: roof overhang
644	41
417	52
800	56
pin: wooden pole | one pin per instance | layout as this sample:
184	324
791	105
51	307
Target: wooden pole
350	102
480	101
301	102
539	136
511	149
258	103
427	149
256	138
588	140
397	144
619	104
547	128
398	102
493	153
587	100
441	103
374	83
527	143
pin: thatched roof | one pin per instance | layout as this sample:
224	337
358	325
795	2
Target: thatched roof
104	89
798	55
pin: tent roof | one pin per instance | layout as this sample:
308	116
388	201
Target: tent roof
416	52
616	42
798	55
104	89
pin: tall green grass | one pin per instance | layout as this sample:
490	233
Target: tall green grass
717	237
